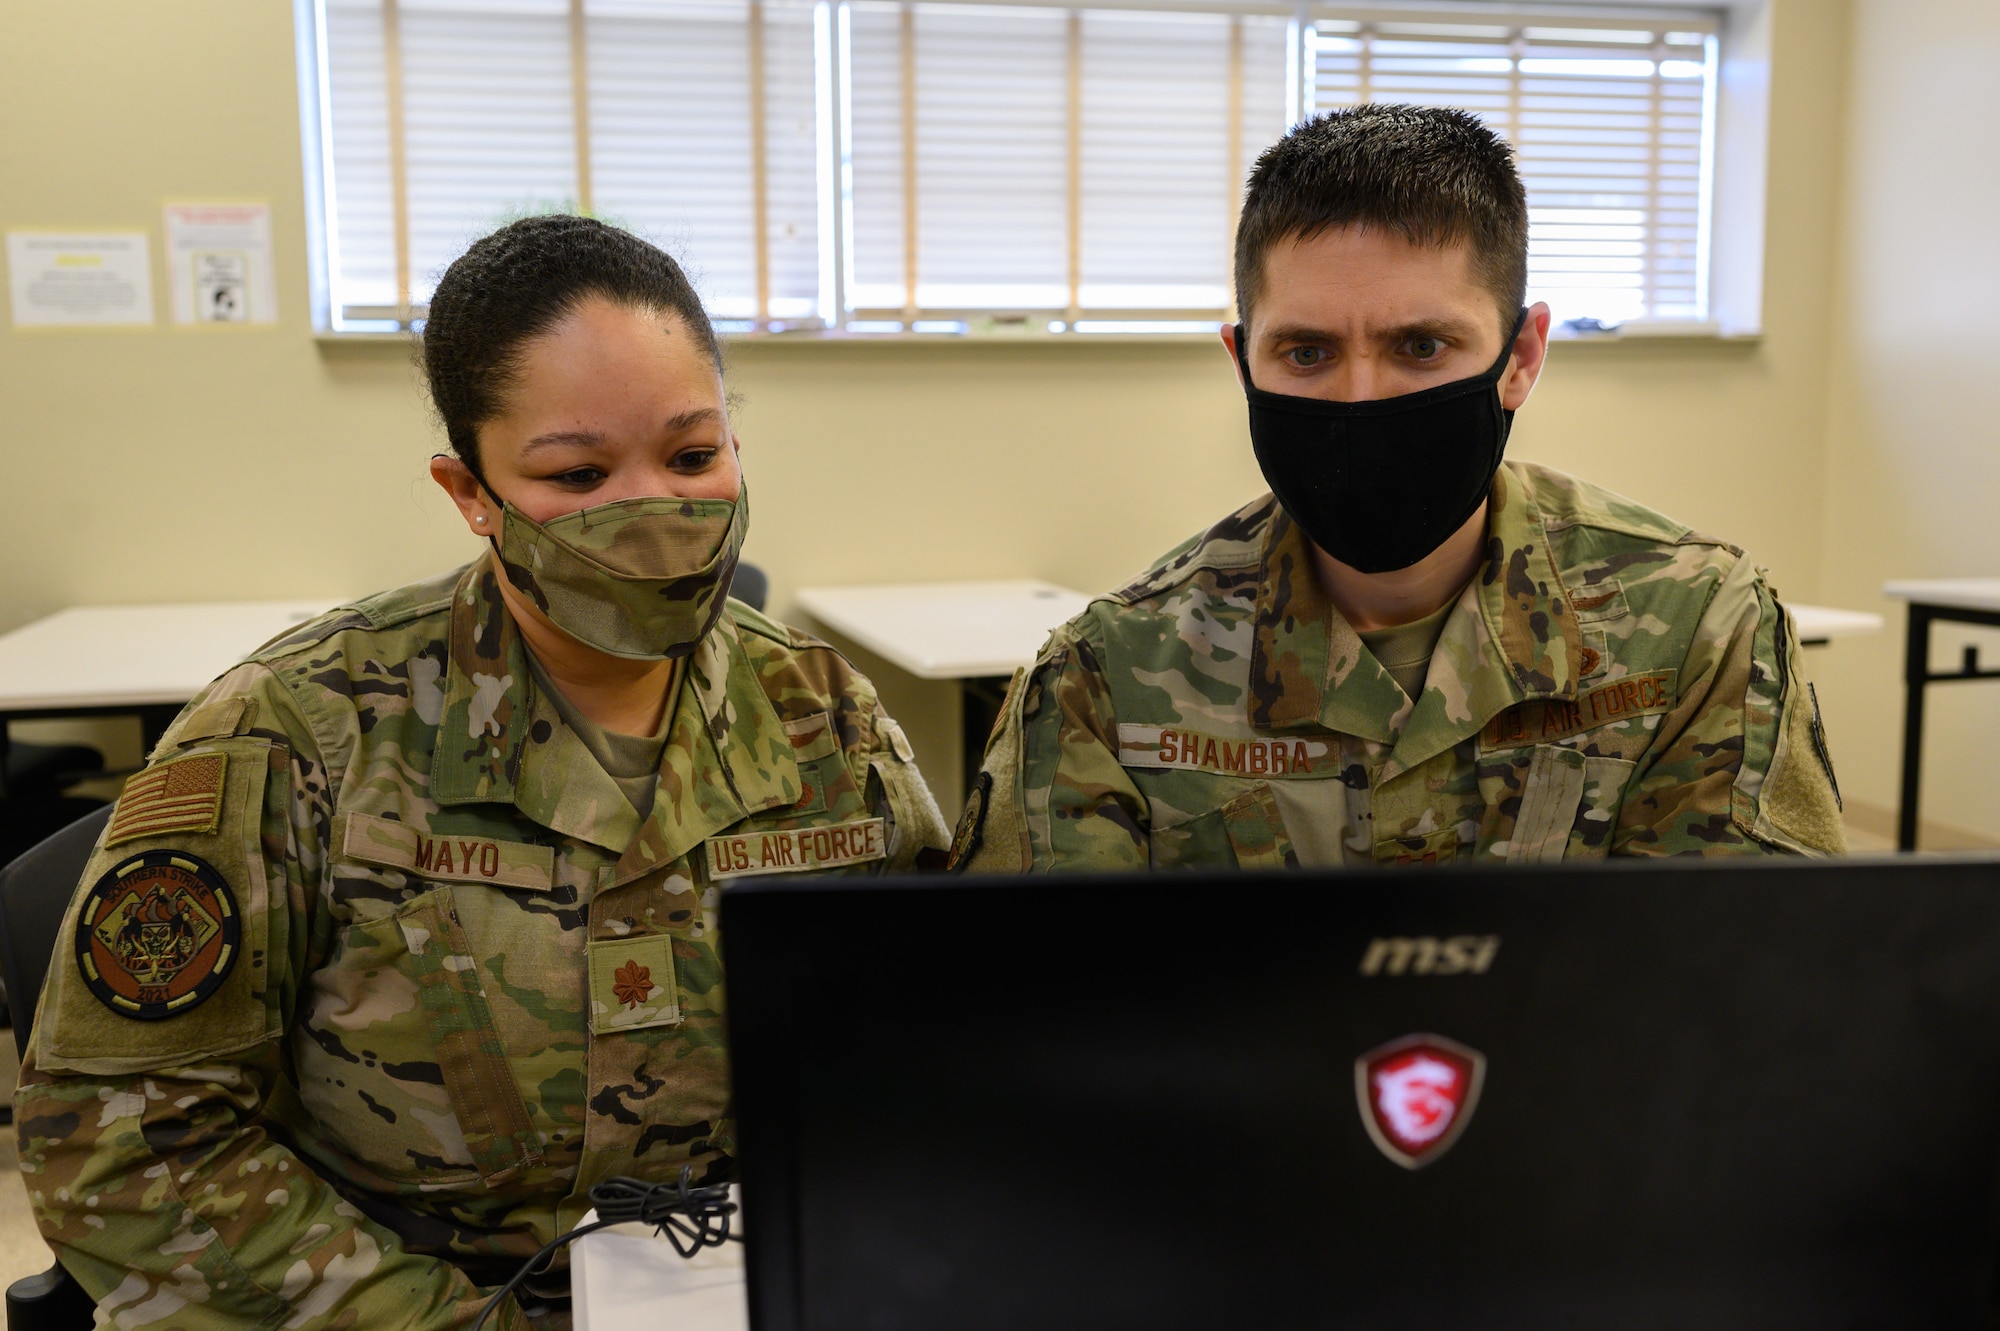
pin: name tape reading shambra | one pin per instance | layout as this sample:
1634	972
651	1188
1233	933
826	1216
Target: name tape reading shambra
1178	748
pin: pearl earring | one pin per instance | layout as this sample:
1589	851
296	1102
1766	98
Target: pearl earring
481	519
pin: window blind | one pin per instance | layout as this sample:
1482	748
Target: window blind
690	122
875	165
1608	119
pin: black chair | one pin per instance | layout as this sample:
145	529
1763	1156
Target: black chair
750	586
35	892
33	779
42	770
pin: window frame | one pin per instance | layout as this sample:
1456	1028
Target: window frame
1738	125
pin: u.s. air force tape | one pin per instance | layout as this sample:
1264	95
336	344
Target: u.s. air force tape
157	934
797	850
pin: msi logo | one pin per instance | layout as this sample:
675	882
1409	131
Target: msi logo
1461	954
1417	1094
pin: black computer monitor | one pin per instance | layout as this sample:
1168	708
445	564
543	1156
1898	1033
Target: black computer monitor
1692	1095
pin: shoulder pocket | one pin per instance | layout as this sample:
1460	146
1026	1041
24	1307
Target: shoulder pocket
897	791
129	987
992	833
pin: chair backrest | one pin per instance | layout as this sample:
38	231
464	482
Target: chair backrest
750	586
35	892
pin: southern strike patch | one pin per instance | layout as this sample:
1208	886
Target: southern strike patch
1231	755
157	935
798	849
1548	719
184	795
965	842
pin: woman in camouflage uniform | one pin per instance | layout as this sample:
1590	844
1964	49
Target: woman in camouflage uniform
407	935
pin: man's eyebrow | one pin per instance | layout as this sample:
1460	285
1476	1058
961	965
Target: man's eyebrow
1442	327
1451	328
1299	333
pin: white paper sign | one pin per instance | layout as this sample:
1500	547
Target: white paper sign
220	258
74	278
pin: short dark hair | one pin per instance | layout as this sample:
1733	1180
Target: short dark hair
1434	175
519	282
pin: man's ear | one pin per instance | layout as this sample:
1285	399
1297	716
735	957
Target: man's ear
1229	345
482	516
1531	350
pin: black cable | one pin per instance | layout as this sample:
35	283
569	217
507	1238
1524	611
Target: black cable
689	1218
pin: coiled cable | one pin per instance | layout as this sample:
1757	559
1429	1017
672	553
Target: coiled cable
690	1218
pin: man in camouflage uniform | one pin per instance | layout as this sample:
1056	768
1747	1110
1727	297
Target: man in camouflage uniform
1606	682
429	970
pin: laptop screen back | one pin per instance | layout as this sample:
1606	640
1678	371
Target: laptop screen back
1757	1096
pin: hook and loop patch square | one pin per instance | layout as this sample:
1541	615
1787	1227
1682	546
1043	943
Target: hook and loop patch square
183	795
157	934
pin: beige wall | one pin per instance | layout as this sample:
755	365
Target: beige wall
1913	473
167	464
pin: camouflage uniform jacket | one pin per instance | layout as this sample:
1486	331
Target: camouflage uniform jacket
1608	683
471	982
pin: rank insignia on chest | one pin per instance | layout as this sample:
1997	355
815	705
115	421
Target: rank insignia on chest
157	935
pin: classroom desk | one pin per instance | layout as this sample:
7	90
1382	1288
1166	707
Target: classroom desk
143	660
1934	600
978	633
627	1278
1819	624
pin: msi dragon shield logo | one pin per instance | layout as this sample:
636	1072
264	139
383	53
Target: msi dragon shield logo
1417	1094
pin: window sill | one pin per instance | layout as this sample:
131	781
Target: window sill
817	338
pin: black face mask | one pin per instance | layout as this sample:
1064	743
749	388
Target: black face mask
1379	485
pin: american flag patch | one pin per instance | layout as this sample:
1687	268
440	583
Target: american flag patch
184	795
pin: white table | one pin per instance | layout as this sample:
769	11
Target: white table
978	633
947	630
1821	624
1934	600
627	1278
144	659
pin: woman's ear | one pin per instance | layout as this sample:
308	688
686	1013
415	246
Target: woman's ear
482	517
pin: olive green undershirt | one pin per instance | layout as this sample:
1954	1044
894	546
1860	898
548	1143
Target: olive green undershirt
631	761
1405	650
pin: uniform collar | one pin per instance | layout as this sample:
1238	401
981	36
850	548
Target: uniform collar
499	741
1511	637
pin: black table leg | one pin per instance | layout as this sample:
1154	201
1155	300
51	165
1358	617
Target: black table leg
1916	673
153	723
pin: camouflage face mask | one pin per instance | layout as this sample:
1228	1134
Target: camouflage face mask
639	578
